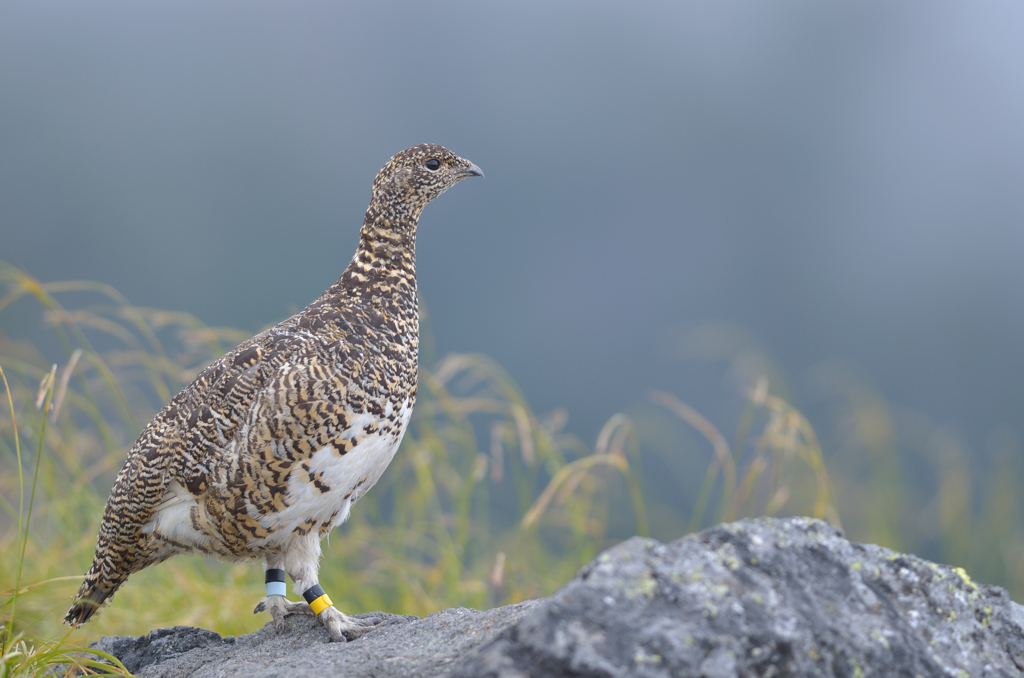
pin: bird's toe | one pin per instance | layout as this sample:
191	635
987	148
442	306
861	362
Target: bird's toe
298	608
280	607
343	628
337	636
367	621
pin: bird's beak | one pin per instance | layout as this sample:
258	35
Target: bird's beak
471	171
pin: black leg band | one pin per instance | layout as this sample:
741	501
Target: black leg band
312	593
317	599
274	575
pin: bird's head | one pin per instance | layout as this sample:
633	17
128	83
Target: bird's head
417	175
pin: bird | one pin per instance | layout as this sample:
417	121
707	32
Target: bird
270	446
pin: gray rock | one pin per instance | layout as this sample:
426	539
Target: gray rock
400	647
159	646
763	597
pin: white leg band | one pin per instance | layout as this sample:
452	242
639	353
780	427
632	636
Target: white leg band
277	588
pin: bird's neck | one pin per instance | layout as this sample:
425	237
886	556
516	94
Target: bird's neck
384	264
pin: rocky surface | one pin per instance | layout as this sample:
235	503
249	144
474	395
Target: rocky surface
761	597
400	647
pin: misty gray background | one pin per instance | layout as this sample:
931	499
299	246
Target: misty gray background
838	180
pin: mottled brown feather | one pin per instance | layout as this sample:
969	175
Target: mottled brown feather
244	432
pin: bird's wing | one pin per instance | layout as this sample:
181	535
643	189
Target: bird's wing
198	423
174	446
304	406
308	403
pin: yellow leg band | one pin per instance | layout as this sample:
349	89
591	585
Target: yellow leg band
321	604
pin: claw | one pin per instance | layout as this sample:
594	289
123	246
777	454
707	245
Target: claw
280	607
342	627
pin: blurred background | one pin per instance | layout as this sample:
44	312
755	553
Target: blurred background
679	196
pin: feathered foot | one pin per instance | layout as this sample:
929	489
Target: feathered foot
280	607
338	624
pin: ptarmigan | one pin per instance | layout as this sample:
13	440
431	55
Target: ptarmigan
270	446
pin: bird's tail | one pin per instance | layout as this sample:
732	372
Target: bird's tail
91	596
121	546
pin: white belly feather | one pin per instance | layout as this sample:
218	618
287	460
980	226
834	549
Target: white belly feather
171	518
351	475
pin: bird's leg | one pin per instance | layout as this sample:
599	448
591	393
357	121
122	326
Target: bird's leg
303	564
337	622
275	601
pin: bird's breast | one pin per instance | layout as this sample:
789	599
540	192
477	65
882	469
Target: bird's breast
321	490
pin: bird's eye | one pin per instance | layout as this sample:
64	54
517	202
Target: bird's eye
432	164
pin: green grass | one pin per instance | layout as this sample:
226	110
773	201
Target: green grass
486	503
